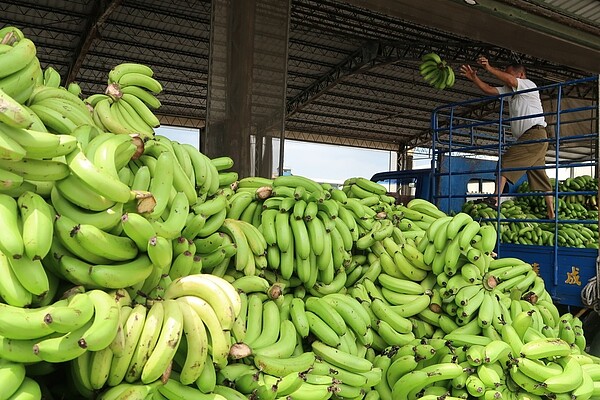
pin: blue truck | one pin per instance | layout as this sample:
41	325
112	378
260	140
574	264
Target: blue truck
465	151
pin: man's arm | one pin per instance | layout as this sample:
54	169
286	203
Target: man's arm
506	78
471	74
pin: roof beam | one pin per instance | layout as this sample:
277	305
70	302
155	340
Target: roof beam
101	12
494	22
351	64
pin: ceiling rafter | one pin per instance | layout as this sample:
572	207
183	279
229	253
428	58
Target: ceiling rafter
96	19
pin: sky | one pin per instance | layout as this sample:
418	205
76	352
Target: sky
334	164
319	162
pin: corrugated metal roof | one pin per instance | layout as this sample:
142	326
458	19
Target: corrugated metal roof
584	10
384	101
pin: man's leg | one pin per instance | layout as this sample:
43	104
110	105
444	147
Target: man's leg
499	189
550	206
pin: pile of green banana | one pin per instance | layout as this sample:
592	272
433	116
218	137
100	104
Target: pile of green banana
521	362
582	183
538	233
134	266
436	71
20	68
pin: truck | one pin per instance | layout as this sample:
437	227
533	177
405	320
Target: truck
468	139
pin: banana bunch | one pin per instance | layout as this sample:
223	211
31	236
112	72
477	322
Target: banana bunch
131	391
436	72
368	193
52	77
541	234
17	115
183	333
21	70
61	331
59	110
127	105
193	283
309	230
27	223
14	383
522	364
270	330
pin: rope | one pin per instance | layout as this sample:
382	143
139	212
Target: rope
589	295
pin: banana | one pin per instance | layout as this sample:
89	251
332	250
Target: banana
205	172
121	275
107	154
55	121
106	321
37	170
355	316
161	184
284	346
585	390
174	223
270	326
568	380
139	78
293	181
327	313
29	389
283	367
341	359
148	339
105	114
409	309
544	348
140	230
130	117
78	312
103	244
133	326
35	144
72	112
148	98
414	381
12	376
197	344
384	312
300	237
11	242
217	292
99	367
62	348
400	285
19	323
181	182
31	275
21	84
17	57
167	344
298	317
459	221
10	149
219	340
124	68
14	114
467	234
12	291
104	184
321	330
244	252
130	391
283	232
535	369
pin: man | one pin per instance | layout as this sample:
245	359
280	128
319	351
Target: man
533	128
